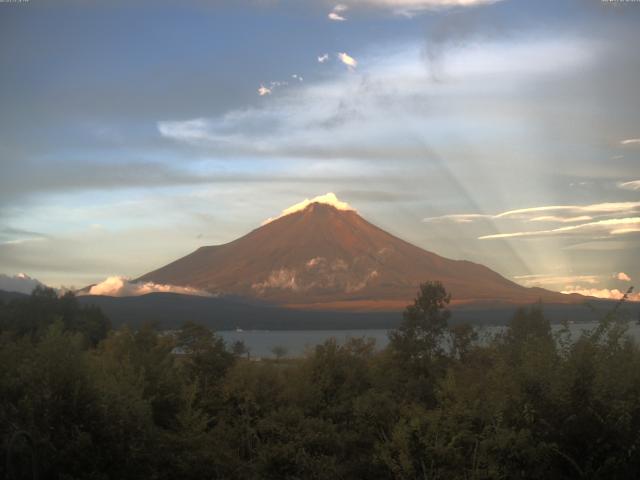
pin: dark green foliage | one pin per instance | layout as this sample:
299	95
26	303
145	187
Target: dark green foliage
424	324
436	403
34	315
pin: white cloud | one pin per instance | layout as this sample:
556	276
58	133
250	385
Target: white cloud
284	279
632	185
623	277
323	58
550	280
558	219
297	77
123	287
411	7
612	294
365	114
597	208
613	226
631	141
347	59
328	199
194	130
336	13
336	17
262	91
21	283
457	217
582	284
603	220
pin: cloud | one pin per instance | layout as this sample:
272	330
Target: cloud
328	199
558	219
124	287
262	91
549	280
323	58
632	185
613	226
284	279
531	214
21	283
347	59
317	272
582	284
612	294
411	7
389	109
70	176
336	13
597	208
297	77
630	141
9	235
457	217
623	277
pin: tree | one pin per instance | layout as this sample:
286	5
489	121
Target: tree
462	337
239	348
279	351
424	323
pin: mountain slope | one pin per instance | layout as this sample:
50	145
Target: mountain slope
321	256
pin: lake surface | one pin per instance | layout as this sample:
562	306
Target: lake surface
296	342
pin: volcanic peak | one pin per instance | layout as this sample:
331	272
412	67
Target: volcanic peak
329	198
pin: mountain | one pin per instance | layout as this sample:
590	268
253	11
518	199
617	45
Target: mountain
324	255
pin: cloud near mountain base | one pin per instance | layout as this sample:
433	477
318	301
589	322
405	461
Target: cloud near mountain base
123	287
612	294
21	283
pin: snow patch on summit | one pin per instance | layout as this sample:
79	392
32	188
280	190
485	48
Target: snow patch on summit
327	199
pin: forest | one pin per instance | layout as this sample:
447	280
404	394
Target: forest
82	400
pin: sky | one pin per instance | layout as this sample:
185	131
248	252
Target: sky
505	132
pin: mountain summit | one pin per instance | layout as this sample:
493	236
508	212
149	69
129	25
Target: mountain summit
322	254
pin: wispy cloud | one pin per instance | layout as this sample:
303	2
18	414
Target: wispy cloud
630	141
557	213
337	14
632	185
596	208
546	280
614	226
365	116
457	217
268	90
323	58
412	7
559	219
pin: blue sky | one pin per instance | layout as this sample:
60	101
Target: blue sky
504	132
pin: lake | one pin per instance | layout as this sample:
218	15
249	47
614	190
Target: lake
296	342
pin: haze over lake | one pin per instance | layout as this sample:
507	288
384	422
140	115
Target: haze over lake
262	342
